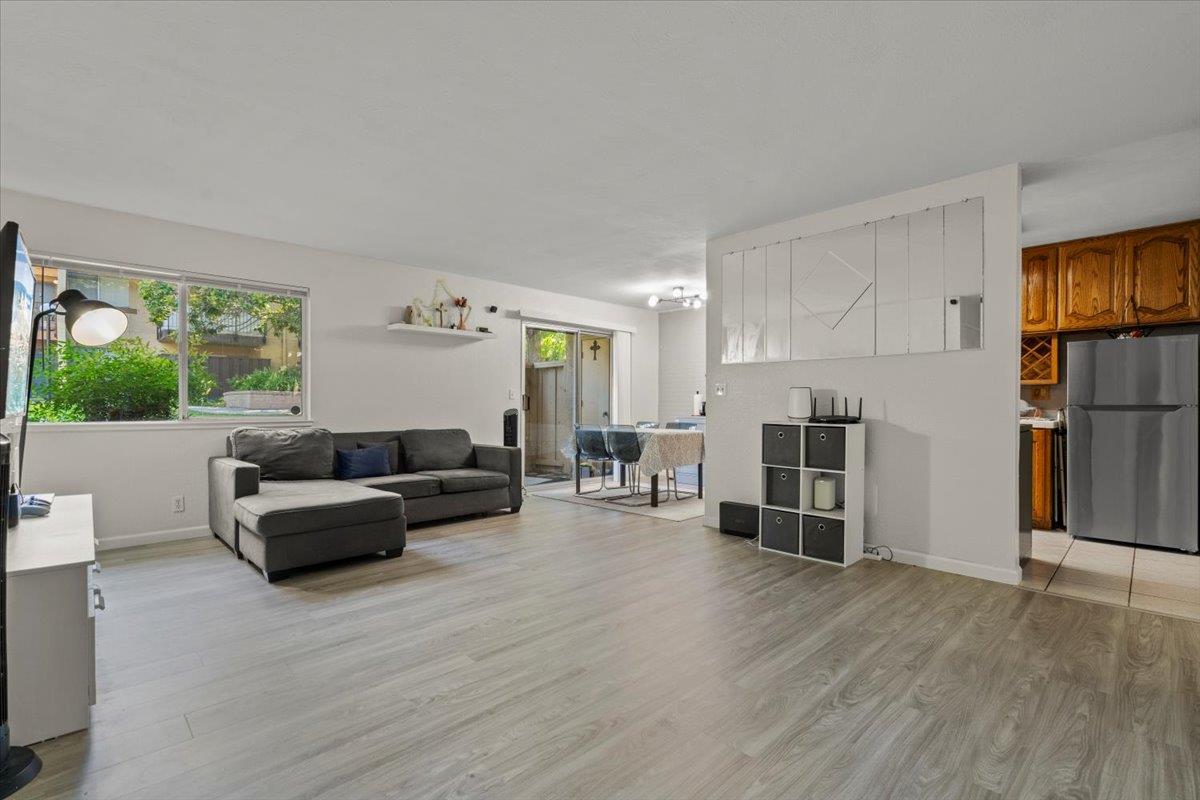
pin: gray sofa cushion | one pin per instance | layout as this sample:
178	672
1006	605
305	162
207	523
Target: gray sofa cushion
393	449
467	479
449	448
283	508
285	454
407	486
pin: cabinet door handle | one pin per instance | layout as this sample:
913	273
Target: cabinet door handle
779	520
820	526
98	601
780	434
822	436
783	476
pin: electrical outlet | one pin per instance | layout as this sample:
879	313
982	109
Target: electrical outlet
177	504
512	394
719	390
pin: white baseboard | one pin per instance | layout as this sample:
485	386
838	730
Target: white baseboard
968	568
151	537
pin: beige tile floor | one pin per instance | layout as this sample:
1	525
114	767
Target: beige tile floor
1122	575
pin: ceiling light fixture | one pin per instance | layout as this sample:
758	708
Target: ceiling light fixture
678	295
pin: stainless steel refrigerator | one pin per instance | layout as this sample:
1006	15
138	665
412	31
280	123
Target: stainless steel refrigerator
1132	446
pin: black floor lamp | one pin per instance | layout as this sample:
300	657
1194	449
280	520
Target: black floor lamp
93	323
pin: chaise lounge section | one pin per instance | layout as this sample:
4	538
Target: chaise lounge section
275	501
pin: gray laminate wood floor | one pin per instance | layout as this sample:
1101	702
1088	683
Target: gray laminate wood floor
576	652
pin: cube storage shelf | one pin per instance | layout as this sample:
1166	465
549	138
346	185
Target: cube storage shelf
794	455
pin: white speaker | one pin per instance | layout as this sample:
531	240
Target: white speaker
799	402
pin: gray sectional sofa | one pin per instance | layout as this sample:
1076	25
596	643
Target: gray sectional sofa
274	499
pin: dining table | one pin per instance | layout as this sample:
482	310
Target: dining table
670	448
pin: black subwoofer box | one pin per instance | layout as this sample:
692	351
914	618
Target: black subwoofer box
739	519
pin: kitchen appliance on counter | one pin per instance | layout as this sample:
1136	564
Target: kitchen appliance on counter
1132	440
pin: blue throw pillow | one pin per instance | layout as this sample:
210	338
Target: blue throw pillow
366	462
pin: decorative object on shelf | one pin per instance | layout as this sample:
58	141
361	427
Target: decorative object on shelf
464	312
824	493
678	295
833	418
1039	359
434	313
800	402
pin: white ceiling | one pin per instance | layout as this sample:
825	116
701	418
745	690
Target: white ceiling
1132	186
589	148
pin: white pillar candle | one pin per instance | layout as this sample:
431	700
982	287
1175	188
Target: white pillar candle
824	493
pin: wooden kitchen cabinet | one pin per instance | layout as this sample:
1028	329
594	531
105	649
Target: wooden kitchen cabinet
1143	277
1091	283
1162	277
1041	494
1039	289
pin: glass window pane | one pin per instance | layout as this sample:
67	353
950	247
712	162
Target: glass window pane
133	379
243	353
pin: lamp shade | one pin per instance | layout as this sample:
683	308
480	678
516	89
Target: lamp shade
92	322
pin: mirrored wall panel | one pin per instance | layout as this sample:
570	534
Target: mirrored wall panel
908	284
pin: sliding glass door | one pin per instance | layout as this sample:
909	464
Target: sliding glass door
568	379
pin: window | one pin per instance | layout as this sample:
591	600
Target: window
195	348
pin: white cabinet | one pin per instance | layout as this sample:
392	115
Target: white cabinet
52	599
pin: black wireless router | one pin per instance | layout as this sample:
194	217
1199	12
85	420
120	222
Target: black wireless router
836	419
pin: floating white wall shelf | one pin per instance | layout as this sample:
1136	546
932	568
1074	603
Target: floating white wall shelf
405	327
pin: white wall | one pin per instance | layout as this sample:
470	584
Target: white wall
680	361
941	484
363	377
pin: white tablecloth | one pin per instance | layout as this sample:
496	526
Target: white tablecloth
665	448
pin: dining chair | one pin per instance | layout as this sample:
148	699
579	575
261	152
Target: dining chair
625	446
590	445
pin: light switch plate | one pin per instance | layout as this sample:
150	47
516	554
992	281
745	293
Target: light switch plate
719	390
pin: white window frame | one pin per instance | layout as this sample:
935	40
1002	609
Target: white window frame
185	280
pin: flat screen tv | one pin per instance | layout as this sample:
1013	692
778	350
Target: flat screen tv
16	321
18	765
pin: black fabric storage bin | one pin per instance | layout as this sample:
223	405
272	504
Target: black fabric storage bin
825	447
781	445
780	531
823	539
782	487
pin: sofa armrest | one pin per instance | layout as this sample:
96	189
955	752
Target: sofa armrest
228	479
506	460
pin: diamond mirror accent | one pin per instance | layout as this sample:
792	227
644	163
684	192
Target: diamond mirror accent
831	289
